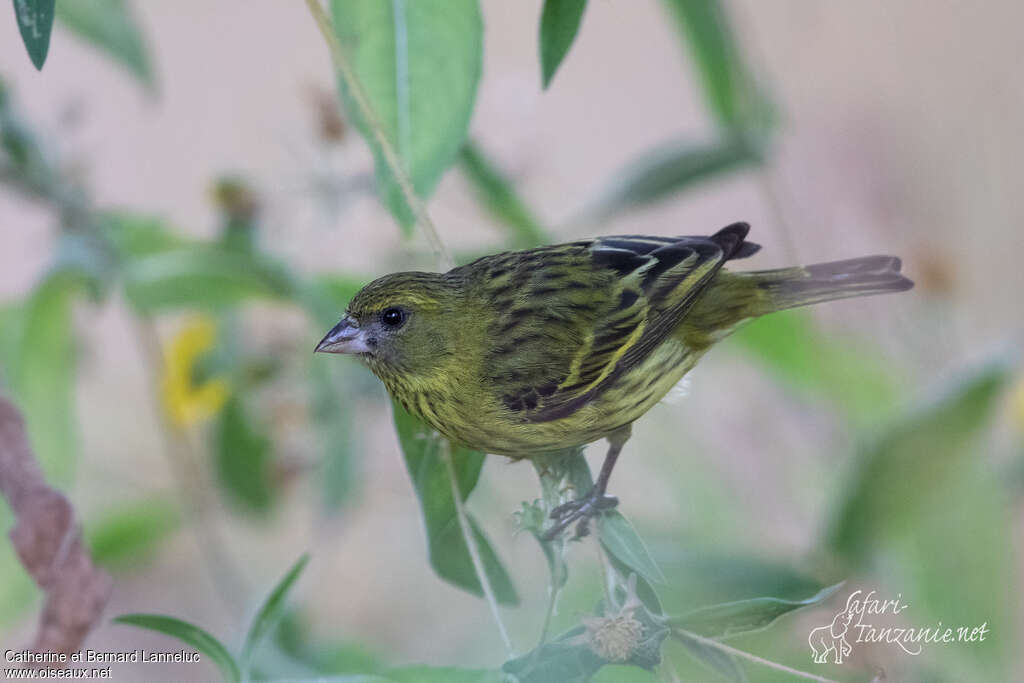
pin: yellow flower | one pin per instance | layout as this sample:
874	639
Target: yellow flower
185	401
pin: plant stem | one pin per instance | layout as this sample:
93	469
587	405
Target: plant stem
471	546
195	499
753	658
368	115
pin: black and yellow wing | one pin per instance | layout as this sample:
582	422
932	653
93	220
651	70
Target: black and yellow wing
573	317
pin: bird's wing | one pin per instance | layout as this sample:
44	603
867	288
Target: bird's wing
572	318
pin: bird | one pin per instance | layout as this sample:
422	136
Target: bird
533	351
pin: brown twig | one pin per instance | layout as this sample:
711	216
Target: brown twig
49	543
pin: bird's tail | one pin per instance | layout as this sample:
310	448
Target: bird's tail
804	285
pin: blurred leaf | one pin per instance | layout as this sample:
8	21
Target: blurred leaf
620	539
566	659
499	197
243	457
131	532
135	235
912	462
327	296
722	663
333	420
926	506
729	89
110	26
665	171
296	640
42	372
35	22
162	270
423	674
950	560
418	64
845	371
731	618
202	277
269	614
449	556
189	634
559	23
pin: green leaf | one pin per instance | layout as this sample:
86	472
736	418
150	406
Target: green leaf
847	372
334	422
418	63
499	197
559	24
566	659
722	663
913	462
424	674
327	296
243	457
202	277
134	235
163	271
729	89
109	25
947	564
35	22
189	634
741	616
42	372
665	171
269	613
449	556
620	540
131	532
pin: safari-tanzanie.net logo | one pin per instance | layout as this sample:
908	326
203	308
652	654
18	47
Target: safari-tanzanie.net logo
867	618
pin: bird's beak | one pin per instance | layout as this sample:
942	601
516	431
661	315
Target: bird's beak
345	337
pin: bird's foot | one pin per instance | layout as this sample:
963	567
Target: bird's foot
581	510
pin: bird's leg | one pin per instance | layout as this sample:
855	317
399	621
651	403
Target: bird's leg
594	502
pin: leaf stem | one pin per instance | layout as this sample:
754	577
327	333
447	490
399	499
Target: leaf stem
471	546
391	157
710	642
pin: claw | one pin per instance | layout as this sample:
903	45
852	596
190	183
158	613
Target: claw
581	510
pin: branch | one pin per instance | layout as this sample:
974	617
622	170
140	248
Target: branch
710	642
49	543
391	158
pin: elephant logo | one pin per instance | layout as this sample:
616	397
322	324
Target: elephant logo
831	639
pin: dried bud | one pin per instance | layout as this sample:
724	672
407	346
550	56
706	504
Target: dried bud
614	638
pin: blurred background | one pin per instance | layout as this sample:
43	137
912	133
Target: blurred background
173	394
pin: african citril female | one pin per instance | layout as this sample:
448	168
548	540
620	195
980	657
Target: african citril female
544	349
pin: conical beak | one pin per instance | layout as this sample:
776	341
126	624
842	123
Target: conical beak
345	337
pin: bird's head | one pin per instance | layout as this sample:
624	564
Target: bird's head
400	323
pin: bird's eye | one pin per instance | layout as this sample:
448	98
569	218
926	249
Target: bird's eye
393	317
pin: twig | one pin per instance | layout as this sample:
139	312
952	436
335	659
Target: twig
49	543
394	163
474	551
676	633
195	500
